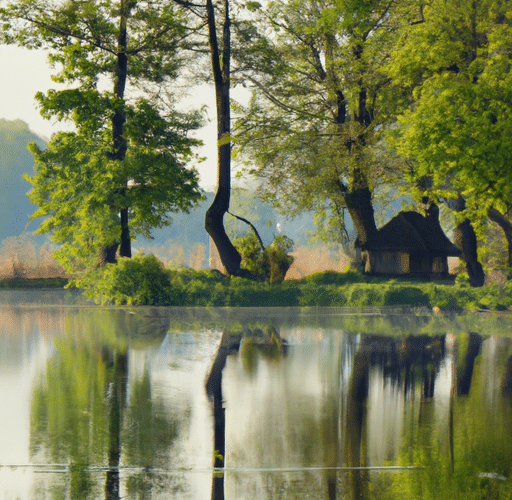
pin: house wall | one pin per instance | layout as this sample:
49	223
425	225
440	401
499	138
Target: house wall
420	263
387	262
440	265
378	262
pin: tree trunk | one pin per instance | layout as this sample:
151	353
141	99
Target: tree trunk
107	255
360	207
214	219
119	145
464	238
357	195
115	424
125	248
506	226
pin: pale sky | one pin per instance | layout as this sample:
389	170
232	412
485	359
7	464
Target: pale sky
25	72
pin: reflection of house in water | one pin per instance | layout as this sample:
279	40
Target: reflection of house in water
409	244
339	401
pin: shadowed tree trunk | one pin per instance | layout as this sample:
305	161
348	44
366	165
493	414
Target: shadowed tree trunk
506	380
360	207
107	255
214	219
464	238
119	145
466	370
115	422
506	227
358	393
228	343
356	192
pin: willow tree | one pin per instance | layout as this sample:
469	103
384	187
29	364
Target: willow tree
319	102
456	68
122	170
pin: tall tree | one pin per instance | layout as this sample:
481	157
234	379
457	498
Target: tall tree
122	170
319	102
456	67
220	56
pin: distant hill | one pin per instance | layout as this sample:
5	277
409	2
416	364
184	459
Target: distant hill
15	160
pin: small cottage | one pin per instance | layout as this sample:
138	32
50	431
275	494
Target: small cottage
409	244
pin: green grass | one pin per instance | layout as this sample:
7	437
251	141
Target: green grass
144	280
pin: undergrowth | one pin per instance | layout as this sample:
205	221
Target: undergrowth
143	280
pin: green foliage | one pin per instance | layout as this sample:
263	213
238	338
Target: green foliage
365	294
334	278
407	296
141	280
144	280
311	130
456	68
127	153
270	264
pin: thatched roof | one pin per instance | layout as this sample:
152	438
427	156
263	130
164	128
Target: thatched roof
410	231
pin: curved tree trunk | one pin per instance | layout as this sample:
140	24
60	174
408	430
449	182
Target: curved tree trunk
506	226
464	238
214	219
357	193
360	207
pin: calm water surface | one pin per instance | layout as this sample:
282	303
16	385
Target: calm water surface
156	403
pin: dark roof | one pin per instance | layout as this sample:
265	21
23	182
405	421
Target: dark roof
410	231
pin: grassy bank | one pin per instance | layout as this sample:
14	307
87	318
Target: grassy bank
145	281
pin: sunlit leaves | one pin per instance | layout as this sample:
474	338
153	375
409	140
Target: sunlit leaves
311	130
130	147
457	129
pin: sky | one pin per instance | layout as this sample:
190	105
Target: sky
25	72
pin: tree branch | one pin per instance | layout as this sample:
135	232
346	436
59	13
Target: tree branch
59	30
262	246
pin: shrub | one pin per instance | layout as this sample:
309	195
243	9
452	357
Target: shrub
321	295
365	295
270	264
405	296
142	279
335	278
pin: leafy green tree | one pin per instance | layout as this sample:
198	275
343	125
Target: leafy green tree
122	170
319	101
455	68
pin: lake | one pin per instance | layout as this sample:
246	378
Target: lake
251	403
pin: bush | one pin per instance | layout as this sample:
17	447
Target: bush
335	278
142	279
270	264
365	295
406	296
322	295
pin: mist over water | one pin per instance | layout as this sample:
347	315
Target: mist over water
286	403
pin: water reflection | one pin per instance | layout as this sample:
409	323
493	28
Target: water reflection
140	404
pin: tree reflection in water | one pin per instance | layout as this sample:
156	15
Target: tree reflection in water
229	343
319	413
82	415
